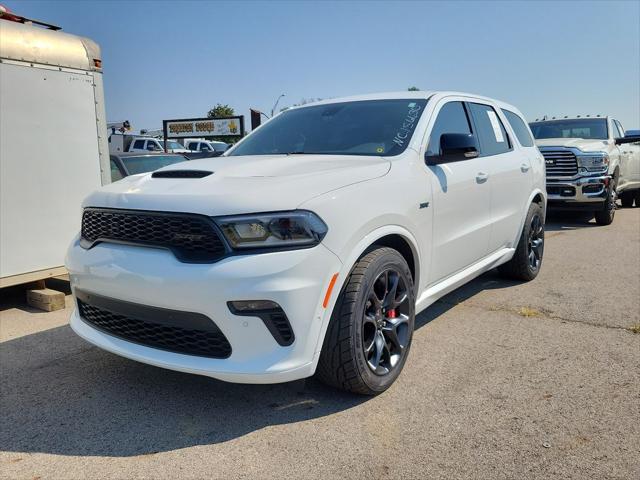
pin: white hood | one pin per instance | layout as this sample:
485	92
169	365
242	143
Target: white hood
584	144
242	184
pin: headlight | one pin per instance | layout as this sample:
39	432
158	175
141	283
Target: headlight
594	161
297	229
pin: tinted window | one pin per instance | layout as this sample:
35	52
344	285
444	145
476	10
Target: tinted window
204	147
452	118
490	131
590	128
115	172
148	163
519	128
369	127
138	144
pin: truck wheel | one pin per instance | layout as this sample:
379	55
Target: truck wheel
527	260
370	330
605	216
626	198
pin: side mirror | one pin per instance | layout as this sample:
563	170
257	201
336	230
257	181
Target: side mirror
628	139
455	147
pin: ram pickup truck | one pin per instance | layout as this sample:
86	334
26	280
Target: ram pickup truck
311	245
589	161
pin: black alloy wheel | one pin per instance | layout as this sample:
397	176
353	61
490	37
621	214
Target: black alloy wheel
385	323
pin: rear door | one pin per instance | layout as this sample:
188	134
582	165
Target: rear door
461	199
509	174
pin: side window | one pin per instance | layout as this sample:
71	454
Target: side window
519	128
620	130
492	135
115	172
152	146
204	147
190	146
138	144
452	118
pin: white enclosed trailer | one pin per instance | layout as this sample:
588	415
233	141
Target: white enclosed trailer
53	148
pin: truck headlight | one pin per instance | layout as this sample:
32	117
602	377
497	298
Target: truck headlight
594	161
295	229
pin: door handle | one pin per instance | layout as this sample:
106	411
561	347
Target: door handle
524	168
481	177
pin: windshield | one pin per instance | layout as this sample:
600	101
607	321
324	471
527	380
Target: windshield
370	127
149	163
174	145
591	128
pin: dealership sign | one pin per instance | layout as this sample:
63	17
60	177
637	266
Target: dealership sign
204	127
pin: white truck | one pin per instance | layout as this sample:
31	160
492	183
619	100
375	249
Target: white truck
120	143
50	89
589	162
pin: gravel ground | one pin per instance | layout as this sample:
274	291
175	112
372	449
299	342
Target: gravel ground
504	380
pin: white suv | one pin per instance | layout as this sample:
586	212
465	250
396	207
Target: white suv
311	245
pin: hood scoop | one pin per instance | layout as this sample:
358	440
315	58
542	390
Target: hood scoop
181	174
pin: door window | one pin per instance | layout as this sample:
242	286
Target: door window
116	174
519	128
138	144
491	133
452	118
618	129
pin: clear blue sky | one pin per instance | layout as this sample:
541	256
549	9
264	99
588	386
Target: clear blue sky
177	59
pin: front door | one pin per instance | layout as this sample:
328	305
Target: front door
461	200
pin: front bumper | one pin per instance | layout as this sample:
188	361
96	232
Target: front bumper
578	192
297	280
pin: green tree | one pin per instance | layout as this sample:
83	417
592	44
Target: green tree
221	111
413	89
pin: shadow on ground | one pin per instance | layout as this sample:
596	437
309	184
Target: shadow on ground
63	396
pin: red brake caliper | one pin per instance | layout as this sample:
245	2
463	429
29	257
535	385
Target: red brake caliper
391	313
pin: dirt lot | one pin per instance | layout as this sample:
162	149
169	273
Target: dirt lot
504	380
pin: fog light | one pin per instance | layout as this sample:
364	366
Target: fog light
253	305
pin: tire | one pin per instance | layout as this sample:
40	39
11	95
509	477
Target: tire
626	199
605	216
365	309
526	262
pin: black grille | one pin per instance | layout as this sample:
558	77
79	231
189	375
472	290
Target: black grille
281	323
192	238
155	327
560	162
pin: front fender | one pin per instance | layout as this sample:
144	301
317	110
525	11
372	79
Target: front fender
350	260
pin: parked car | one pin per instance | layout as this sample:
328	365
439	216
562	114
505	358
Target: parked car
125	164
311	245
119	143
174	147
205	146
588	162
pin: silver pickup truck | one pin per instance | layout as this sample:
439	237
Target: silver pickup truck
589	163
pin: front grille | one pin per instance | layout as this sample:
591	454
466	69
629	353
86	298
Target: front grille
175	331
192	238
560	162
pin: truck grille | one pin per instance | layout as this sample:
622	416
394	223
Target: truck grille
560	162
175	331
191	238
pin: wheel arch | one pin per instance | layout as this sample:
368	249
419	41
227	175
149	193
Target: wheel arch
393	236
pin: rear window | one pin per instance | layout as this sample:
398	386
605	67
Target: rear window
519	128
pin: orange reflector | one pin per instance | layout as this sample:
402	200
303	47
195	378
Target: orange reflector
327	295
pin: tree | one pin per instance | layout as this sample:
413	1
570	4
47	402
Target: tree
413	89
221	111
